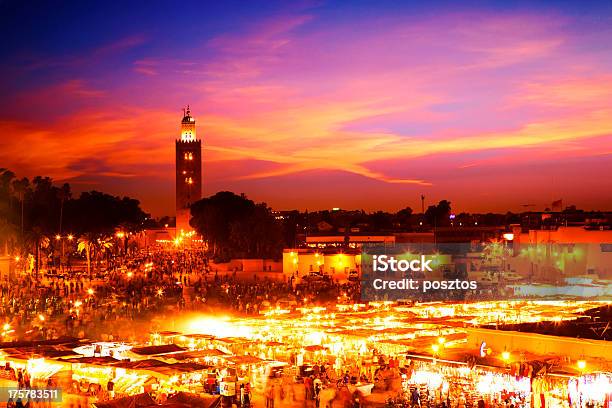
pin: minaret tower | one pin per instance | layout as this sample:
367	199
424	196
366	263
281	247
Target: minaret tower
188	172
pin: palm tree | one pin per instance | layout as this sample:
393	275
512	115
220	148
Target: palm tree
20	188
8	230
35	239
8	235
64	195
103	245
86	244
93	247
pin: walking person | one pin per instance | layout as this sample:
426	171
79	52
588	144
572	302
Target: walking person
270	391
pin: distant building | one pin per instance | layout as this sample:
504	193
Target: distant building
356	240
300	263
188	172
7	267
568	235
349	241
563	252
460	234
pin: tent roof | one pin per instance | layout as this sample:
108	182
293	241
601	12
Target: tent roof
194	401
135	401
153	350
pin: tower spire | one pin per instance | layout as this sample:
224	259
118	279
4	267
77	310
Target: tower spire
188	131
188	171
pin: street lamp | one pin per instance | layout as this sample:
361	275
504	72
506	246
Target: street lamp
58	237
506	356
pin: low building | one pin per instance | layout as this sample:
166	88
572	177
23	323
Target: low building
7	268
563	252
348	241
337	264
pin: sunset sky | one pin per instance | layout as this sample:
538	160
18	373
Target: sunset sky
359	105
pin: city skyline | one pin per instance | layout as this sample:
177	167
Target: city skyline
316	105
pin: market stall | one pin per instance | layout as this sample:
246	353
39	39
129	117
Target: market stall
591	390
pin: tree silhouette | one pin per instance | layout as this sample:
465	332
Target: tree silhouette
438	215
32	213
235	226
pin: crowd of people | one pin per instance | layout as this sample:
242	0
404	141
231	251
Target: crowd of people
46	305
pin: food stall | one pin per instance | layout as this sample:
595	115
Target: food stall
458	382
39	368
591	390
90	375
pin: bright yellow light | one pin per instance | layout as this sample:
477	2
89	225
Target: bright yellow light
41	318
441	340
506	356
120	235
314	338
581	364
435	348
221	326
160	292
78	303
17	258
129	274
90	291
70	237
508	236
6	327
58	237
39	368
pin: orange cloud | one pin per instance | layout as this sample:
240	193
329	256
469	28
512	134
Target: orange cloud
304	99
